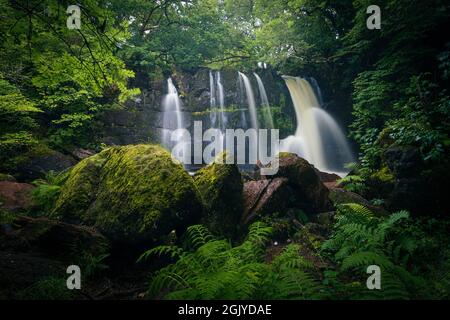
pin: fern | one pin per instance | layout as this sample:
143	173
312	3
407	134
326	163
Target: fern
360	239
197	235
216	270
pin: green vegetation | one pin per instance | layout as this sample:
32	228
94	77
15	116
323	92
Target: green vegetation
205	267
86	95
50	288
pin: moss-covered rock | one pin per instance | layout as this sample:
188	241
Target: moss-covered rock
130	193
221	188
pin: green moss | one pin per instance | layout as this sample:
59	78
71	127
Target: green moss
130	193
383	175
220	186
6	177
305	237
50	288
384	138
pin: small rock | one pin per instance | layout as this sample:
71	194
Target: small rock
15	196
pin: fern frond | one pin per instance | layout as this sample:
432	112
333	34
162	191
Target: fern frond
198	235
364	259
172	251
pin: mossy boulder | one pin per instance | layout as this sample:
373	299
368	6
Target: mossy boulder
130	194
221	186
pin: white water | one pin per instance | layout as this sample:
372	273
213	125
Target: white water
212	90
250	101
173	119
265	103
217	95
221	96
318	137
242	102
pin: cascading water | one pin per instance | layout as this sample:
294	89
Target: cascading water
221	96
250	101
173	118
264	103
218	119
241	87
318	137
212	90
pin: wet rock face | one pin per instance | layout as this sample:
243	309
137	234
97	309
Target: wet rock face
131	194
15	196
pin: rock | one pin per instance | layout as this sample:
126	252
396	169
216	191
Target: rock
311	193
264	197
340	196
37	165
130	194
7	177
80	153
20	270
327	177
220	186
326	219
403	161
54	238
15	196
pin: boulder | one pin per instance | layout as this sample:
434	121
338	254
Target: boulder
340	196
130	194
39	163
311	193
80	153
327	177
403	161
264	197
15	196
220	186
54	238
20	270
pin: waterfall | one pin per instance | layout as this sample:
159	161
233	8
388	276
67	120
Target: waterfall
221	96
217	97
264	103
318	137
212	90
242	102
172	118
250	100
